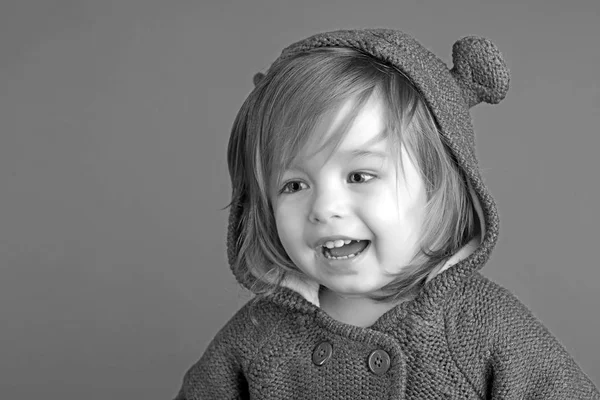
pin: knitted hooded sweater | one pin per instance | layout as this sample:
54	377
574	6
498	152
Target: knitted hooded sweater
461	337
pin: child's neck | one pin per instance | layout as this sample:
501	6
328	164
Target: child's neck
357	311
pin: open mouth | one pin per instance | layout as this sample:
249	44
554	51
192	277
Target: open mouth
344	249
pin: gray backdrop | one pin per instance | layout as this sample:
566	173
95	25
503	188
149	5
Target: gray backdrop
114	119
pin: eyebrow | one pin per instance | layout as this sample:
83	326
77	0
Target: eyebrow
368	153
359	153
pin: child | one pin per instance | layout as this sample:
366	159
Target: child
360	220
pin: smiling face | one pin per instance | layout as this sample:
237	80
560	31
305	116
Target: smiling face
355	191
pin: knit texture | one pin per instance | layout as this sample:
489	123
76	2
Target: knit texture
478	342
462	337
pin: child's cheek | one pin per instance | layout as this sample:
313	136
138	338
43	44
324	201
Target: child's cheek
380	200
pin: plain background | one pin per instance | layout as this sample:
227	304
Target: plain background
114	120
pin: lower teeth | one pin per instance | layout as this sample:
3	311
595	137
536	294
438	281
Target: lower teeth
328	255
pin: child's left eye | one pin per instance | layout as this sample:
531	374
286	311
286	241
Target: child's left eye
360	177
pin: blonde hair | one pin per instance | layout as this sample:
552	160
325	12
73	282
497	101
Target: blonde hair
278	118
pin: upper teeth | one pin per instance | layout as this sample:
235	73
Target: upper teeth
336	243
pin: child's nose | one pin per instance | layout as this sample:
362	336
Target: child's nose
327	204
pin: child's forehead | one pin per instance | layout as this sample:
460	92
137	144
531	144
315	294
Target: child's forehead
349	131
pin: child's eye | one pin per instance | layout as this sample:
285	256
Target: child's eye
360	177
293	187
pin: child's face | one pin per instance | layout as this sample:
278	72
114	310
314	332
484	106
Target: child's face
358	192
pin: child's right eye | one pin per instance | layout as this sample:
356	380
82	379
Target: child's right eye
293	187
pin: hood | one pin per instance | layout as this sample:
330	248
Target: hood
479	74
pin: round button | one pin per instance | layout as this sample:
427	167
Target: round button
379	362
322	353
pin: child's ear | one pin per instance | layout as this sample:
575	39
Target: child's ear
257	78
480	70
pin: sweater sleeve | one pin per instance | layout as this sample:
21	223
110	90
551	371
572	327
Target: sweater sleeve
506	352
221	371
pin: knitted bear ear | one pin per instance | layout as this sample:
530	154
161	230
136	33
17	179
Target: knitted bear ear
480	70
257	78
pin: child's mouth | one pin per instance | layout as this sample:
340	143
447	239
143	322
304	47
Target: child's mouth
349	249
